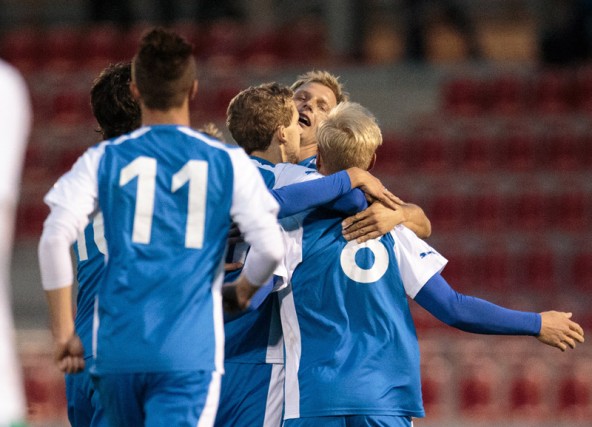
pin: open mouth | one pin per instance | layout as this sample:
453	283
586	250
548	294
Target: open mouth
302	119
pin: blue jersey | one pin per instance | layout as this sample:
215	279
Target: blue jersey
351	346
90	249
309	162
256	337
167	194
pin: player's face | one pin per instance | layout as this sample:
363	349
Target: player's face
314	101
293	132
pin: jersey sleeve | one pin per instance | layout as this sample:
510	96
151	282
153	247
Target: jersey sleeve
77	190
72	200
417	260
255	210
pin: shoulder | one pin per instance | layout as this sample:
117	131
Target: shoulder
288	173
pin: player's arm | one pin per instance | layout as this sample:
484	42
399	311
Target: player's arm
254	211
335	191
479	316
378	220
59	232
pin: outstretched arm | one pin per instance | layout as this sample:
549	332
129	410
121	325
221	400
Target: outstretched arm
475	315
378	220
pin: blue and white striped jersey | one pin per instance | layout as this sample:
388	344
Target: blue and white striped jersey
168	195
90	249
256	336
351	346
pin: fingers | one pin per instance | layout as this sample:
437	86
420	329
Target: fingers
233	266
71	364
362	234
389	199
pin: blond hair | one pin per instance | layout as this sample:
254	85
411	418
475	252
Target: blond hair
326	79
348	137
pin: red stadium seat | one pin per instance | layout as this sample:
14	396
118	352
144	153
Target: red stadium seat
538	266
390	156
486	211
528	390
476	152
100	46
430	151
493	270
530	209
551	93
516	148
581	270
477	387
574	390
571	210
60	48
559	148
71	107
447	211
462	96
507	95
583	90
20	47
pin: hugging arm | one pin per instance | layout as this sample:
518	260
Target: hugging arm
479	316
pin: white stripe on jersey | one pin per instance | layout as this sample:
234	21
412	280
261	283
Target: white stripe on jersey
293	341
275	397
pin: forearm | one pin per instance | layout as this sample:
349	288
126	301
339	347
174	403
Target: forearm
299	197
61	313
417	221
472	314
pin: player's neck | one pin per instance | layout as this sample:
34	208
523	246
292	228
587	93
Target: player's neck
174	116
273	154
308	151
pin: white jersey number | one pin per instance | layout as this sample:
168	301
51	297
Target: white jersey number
359	274
99	237
194	172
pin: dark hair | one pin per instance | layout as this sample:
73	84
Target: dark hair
164	69
255	114
112	103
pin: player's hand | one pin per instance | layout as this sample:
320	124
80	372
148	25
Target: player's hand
232	266
237	295
372	223
69	355
557	330
234	235
373	187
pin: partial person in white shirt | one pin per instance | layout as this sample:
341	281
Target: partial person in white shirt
15	127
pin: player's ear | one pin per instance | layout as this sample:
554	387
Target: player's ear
319	161
281	134
134	90
193	90
372	162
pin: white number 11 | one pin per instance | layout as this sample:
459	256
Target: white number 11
194	172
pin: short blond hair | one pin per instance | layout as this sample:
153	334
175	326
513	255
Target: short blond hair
326	79
348	137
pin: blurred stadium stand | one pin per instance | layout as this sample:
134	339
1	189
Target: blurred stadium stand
497	150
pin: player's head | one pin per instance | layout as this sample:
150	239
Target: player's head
316	93
116	111
164	72
348	137
261	113
210	128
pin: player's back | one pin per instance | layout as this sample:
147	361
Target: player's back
166	194
352	337
90	249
